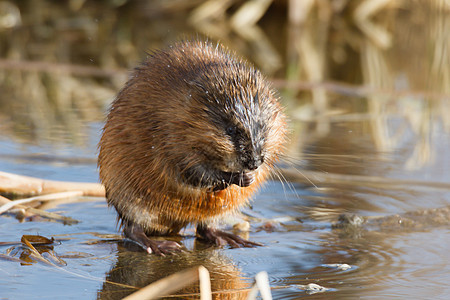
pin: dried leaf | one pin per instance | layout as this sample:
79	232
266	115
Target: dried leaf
37	240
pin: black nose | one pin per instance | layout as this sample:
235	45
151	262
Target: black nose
254	163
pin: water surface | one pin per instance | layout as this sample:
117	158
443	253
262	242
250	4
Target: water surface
363	210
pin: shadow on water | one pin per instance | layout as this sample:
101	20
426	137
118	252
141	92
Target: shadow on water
365	208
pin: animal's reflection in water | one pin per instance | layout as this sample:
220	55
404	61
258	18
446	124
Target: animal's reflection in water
134	268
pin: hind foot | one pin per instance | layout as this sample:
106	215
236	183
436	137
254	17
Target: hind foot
137	234
221	238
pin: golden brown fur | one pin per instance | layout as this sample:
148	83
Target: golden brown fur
167	120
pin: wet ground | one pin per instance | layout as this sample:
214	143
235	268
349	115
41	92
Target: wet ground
364	207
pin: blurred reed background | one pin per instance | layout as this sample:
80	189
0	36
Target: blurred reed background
376	61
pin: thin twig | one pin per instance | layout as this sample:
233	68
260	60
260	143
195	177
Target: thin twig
25	185
50	197
40	212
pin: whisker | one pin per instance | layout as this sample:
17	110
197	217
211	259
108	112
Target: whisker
291	161
283	180
307	178
230	180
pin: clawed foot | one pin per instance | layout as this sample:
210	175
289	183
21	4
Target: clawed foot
221	238
162	247
137	234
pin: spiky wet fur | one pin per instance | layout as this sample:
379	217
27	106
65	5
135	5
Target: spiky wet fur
172	116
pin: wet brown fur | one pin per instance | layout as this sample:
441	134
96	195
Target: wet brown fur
163	121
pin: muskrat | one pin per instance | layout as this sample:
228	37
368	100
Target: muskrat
189	138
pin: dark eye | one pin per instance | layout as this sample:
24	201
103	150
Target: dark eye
231	130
